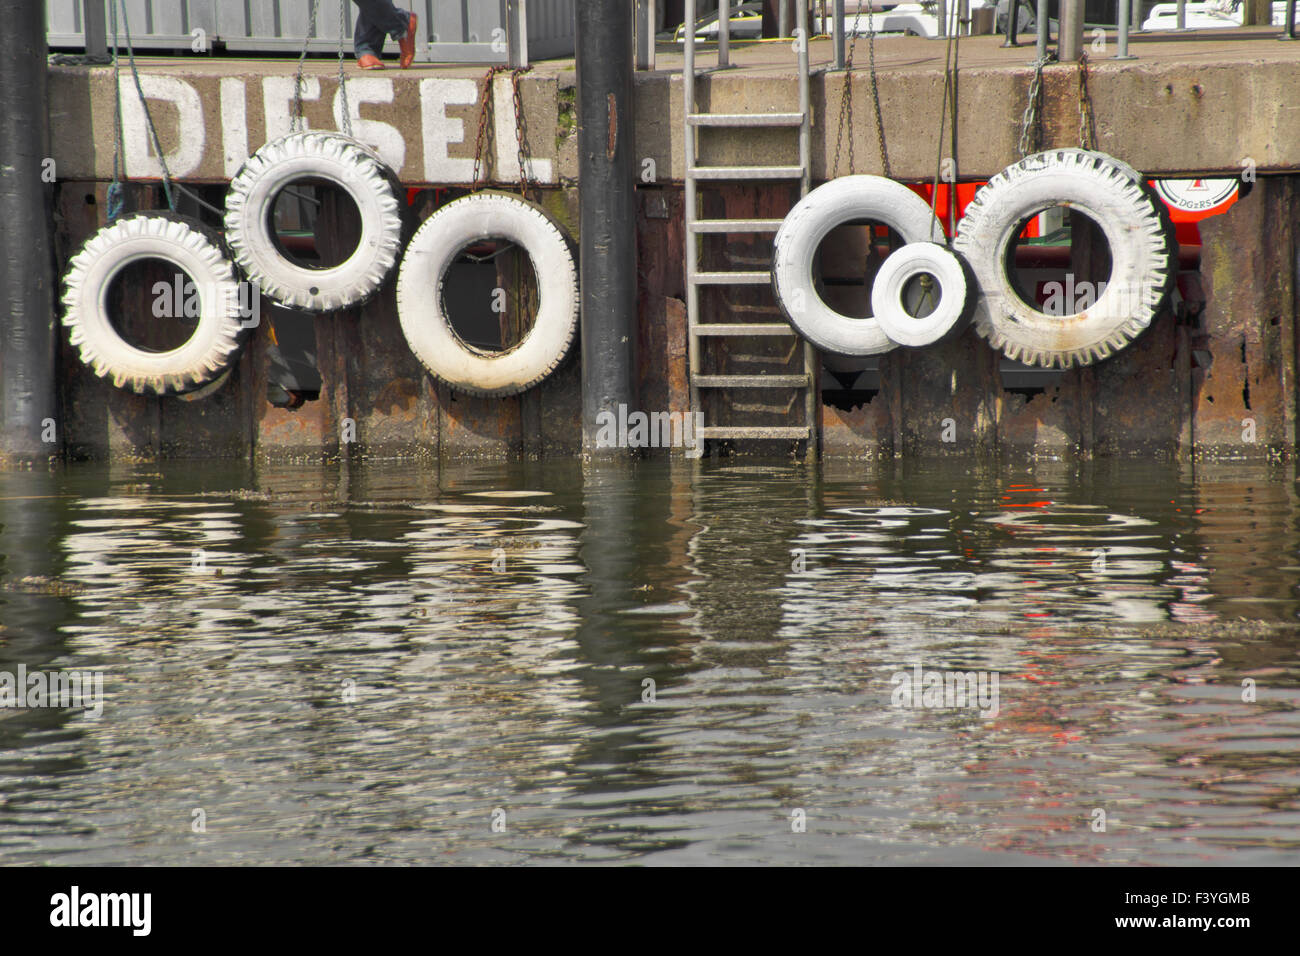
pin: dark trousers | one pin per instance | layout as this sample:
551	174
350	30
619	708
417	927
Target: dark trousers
378	20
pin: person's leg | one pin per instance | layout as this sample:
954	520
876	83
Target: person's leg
385	17
368	37
381	18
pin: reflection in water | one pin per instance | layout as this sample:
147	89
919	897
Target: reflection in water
652	662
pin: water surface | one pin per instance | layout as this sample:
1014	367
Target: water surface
496	626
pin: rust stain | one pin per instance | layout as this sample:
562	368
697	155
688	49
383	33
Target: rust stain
397	395
613	125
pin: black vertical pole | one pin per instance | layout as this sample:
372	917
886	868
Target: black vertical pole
93	18
1013	24
606	192
27	327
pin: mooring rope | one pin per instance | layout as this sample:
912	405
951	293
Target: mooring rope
144	103
950	59
115	189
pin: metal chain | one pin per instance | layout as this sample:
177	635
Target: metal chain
1031	122
296	121
875	88
1087	129
343	79
484	109
846	101
520	136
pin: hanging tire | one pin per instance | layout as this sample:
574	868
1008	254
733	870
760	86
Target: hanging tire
1142	259
794	251
890	303
195	251
349	166
423	272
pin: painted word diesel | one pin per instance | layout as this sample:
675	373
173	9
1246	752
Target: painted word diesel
55	689
73	909
947	690
656	430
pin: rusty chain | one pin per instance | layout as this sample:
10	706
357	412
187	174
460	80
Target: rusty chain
486	109
1087	125
846	100
1031	133
520	135
875	88
296	122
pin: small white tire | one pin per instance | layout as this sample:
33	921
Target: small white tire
889	300
423	272
794	251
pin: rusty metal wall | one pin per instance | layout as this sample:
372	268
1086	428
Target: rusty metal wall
368	374
1214	382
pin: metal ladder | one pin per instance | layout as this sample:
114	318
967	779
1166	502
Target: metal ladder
697	229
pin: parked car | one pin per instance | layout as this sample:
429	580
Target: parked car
1207	15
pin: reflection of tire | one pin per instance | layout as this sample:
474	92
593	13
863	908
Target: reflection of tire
193	250
1112	195
423	272
949	315
349	166
841	201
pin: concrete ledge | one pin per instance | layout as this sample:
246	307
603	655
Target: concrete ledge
1199	103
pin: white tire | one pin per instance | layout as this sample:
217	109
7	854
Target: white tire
349	166
890	304
423	272
1142	263
794	251
1094	156
196	252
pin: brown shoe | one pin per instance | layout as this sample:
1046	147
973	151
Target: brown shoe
407	45
369	61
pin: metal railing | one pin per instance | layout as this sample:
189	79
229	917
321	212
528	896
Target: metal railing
481	32
1128	21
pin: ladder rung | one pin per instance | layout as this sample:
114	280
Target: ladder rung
750	381
745	119
752	328
732	278
754	431
746	172
736	225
